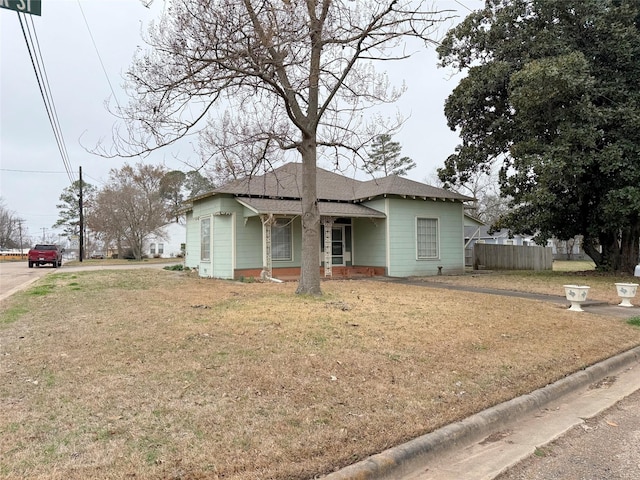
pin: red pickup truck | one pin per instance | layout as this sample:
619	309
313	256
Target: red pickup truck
41	254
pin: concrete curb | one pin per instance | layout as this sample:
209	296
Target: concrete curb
404	459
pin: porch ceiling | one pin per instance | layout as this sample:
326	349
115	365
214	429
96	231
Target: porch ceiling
293	207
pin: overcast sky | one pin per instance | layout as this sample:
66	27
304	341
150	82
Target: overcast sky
32	170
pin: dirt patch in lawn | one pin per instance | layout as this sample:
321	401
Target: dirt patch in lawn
157	374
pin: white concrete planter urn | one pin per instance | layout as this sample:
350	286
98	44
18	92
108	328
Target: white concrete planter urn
626	291
576	294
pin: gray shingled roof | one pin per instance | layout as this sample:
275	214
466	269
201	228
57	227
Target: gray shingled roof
293	207
395	185
285	182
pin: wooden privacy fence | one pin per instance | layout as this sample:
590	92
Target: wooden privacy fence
511	257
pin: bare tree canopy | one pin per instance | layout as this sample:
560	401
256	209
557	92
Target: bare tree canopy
281	76
11	234
130	207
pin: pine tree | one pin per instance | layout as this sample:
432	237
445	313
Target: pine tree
385	157
69	207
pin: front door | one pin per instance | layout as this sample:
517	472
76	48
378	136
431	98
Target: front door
337	245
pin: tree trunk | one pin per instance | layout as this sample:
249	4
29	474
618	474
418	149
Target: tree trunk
309	283
620	252
591	248
630	249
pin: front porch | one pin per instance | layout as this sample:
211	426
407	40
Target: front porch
292	274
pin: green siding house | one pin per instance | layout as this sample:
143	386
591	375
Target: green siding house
388	226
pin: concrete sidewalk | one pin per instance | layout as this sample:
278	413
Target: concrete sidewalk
484	445
595	307
489	457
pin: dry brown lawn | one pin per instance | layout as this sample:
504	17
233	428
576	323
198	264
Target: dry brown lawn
602	285
158	374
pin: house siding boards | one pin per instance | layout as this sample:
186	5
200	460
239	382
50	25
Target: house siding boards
369	240
379	218
192	242
403	255
248	241
222	251
222	211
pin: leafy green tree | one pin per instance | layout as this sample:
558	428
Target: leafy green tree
177	186
384	157
196	184
552	94
69	206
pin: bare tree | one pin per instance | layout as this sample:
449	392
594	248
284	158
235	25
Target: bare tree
484	187
284	76
11	233
130	207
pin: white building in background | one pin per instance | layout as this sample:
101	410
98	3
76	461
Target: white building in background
169	245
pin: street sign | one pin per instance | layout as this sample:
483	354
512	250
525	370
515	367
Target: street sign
33	7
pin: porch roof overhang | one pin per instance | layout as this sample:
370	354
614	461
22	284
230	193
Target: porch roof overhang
274	206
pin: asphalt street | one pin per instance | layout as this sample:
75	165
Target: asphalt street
15	276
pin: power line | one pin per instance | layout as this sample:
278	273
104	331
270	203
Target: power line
104	70
95	47
35	54
30	171
462	5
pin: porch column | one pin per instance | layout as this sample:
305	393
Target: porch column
267	222
327	222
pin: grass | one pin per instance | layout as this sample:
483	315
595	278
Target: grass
122	261
601	285
573	265
160	374
635	321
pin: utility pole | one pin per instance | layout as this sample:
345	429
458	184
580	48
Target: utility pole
80	206
20	230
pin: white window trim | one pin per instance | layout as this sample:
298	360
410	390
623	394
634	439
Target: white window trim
289	223
437	255
202	259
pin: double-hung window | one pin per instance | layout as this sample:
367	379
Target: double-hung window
427	238
281	240
205	239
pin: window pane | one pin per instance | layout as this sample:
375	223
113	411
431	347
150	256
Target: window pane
427	237
205	239
281	239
